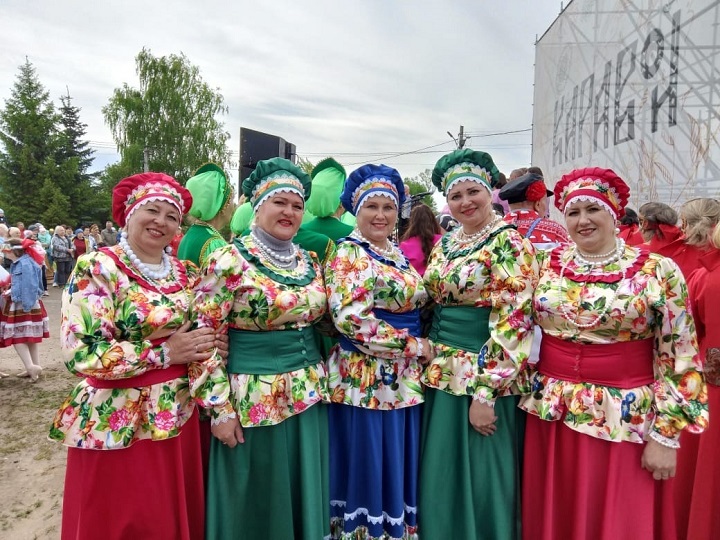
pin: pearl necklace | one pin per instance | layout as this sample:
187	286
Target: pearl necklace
607	258
145	271
462	238
283	261
388	252
566	312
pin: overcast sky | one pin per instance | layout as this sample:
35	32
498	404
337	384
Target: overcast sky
359	80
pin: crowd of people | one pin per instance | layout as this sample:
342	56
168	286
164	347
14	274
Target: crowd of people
492	374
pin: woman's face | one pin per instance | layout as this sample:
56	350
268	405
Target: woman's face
281	215
470	204
376	219
591	227
151	227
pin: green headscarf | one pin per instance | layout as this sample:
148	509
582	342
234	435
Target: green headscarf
328	179
241	218
210	190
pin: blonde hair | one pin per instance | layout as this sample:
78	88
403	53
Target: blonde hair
715	239
700	216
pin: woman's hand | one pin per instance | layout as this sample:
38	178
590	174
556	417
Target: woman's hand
482	418
222	344
428	352
229	432
185	345
659	460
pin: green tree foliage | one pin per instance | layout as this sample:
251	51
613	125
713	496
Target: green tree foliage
78	185
173	113
28	132
422	183
57	207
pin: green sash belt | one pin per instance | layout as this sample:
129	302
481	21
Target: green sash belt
462	327
272	352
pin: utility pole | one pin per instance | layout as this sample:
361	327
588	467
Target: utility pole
461	139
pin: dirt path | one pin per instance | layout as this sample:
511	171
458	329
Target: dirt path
32	469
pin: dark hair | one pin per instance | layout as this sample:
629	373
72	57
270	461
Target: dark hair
502	180
423	225
654	214
630	217
535	170
498	209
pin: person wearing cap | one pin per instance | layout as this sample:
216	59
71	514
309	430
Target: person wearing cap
618	379
375	296
79	243
328	180
481	277
213	207
527	198
268	474
134	466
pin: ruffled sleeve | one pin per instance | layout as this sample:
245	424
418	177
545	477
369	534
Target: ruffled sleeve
680	391
350	284
214	296
513	274
99	330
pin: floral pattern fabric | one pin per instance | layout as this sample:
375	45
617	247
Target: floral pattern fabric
238	291
650	302
384	372
113	325
499	273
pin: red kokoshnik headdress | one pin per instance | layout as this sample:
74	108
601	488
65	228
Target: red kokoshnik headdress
134	191
593	184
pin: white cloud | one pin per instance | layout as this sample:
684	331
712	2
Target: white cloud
331	77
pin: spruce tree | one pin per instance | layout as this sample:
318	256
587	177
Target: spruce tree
28	133
76	156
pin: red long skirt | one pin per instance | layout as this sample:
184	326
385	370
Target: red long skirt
577	486
153	490
697	484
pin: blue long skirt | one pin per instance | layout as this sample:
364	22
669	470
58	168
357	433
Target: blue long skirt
374	472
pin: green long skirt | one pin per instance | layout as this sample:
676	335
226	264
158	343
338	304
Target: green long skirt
275	486
469	486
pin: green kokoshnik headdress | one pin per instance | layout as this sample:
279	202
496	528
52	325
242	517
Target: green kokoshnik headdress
465	166
272	176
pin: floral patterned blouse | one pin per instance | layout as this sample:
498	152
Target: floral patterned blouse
113	326
383	373
500	273
240	290
648	299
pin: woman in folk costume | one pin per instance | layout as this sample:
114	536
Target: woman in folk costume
269	456
134	468
23	320
213	207
481	277
328	180
374	296
617	380
697	488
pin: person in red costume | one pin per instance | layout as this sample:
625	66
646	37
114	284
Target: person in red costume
630	228
618	380
528	200
697	485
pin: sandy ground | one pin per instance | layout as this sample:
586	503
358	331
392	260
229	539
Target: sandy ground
32	469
